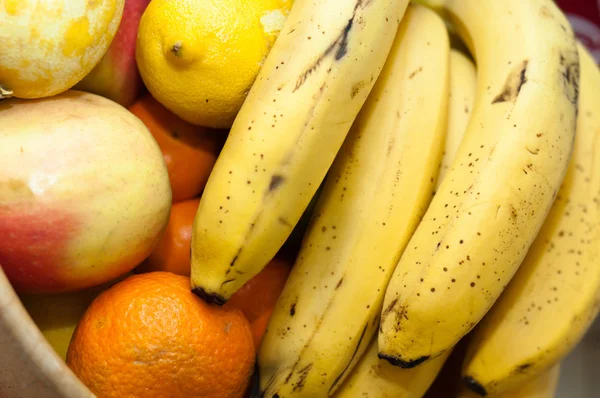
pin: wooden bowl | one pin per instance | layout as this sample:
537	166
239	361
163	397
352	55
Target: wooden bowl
29	367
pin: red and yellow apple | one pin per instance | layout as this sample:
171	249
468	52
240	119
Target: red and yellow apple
84	192
116	77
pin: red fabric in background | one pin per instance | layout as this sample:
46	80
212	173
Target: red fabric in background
585	19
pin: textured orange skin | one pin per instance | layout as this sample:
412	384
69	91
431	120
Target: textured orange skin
150	336
172	254
190	152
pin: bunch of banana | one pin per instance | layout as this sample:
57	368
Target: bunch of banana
374	377
284	139
555	294
507	171
378	188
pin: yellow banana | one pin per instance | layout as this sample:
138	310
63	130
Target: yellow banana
284	139
507	171
463	78
555	294
541	386
369	207
376	378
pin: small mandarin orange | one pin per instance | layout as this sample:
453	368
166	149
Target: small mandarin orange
150	336
172	253
190	152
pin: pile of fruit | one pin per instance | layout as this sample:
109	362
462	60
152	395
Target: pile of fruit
350	198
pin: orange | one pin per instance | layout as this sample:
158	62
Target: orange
190	152
150	336
259	328
260	293
257	298
172	253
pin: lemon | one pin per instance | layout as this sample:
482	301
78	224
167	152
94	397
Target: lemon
48	46
199	58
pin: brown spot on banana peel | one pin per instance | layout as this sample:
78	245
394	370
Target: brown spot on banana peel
416	72
532	151
232	263
339	283
283	221
474	386
388	309
293	309
570	77
276	182
514	82
400	314
522	368
356	87
339	46
227	281
302	375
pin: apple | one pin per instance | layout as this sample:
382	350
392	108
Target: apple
84	192
116	77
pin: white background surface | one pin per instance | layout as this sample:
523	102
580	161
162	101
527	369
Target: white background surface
580	371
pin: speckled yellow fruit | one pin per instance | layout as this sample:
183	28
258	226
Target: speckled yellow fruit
199	58
49	45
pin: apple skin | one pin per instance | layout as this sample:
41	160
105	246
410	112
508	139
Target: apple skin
84	192
116	76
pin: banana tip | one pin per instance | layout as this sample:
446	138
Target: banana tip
474	386
401	363
211	298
